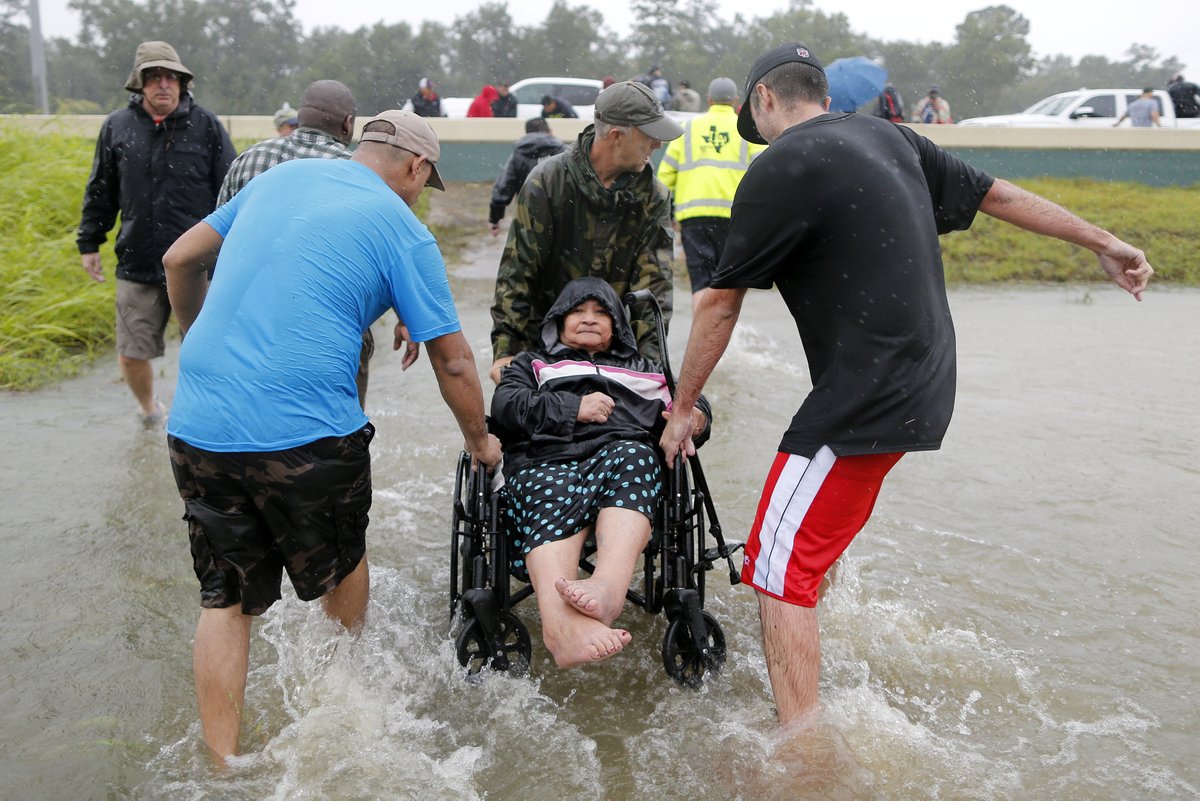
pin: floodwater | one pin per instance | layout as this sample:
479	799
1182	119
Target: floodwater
1019	620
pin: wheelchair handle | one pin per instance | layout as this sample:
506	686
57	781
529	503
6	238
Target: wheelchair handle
646	296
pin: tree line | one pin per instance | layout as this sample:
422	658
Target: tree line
249	56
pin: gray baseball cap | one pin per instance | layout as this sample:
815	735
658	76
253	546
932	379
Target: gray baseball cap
632	103
722	90
413	134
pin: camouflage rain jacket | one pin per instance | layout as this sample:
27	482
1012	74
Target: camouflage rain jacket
568	225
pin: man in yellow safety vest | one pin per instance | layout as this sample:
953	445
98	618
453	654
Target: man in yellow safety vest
702	169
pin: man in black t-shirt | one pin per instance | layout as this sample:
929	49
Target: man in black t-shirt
842	213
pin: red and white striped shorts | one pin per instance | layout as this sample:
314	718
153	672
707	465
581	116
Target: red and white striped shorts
809	512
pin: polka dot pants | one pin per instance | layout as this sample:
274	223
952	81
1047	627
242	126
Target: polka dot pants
555	500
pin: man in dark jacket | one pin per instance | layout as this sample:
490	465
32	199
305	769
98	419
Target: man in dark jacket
1185	96
426	102
159	163
557	108
537	145
890	106
506	104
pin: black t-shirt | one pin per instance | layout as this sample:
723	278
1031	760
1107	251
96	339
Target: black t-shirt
842	213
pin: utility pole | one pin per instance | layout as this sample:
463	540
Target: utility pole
37	58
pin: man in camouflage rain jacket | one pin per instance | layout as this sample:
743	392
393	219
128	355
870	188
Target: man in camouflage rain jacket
595	210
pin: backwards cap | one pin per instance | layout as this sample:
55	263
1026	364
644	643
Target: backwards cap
413	134
795	52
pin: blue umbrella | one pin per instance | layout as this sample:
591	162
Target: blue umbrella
853	82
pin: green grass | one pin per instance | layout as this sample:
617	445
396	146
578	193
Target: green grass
1161	221
53	317
54	320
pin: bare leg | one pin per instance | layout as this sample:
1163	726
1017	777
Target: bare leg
220	659
792	645
621	536
347	602
572	638
139	375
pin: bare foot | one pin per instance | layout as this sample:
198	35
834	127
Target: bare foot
580	640
593	597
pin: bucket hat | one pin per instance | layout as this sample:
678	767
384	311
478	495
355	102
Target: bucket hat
150	55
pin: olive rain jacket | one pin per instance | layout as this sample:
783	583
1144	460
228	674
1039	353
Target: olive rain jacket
531	149
535	405
162	178
568	225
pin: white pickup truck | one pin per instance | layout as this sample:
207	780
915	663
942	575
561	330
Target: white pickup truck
1083	108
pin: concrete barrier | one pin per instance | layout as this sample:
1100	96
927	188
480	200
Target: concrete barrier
476	149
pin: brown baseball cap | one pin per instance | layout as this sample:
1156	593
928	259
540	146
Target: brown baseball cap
150	55
413	134
632	103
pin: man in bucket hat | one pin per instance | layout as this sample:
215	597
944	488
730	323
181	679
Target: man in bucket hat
268	443
159	163
596	209
842	213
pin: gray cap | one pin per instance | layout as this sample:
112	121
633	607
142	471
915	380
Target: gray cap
150	55
722	90
413	134
632	103
286	116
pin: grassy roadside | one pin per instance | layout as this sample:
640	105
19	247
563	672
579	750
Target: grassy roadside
54	320
1161	221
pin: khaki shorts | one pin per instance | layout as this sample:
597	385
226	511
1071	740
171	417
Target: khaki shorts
142	314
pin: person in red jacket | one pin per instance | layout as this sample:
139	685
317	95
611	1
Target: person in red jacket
481	106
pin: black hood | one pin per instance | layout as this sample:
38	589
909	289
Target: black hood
623	345
536	146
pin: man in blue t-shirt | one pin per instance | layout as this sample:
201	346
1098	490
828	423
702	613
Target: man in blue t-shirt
842	214
268	442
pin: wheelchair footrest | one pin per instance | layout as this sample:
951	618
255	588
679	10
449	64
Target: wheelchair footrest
726	552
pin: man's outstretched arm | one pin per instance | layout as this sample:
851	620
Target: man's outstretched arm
454	365
1122	262
716	314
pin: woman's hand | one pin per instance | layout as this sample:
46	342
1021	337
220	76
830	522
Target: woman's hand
595	407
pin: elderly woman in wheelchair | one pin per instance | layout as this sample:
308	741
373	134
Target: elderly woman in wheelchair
579	419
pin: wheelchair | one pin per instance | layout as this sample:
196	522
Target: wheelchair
672	580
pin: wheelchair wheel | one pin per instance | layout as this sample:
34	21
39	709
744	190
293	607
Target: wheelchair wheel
474	652
682	660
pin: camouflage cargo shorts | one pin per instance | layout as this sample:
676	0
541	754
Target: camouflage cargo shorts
252	515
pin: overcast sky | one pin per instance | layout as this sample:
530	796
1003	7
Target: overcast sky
1071	27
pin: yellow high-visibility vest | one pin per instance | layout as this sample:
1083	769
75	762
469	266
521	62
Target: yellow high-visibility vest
703	167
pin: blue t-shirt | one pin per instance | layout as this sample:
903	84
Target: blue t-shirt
315	251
